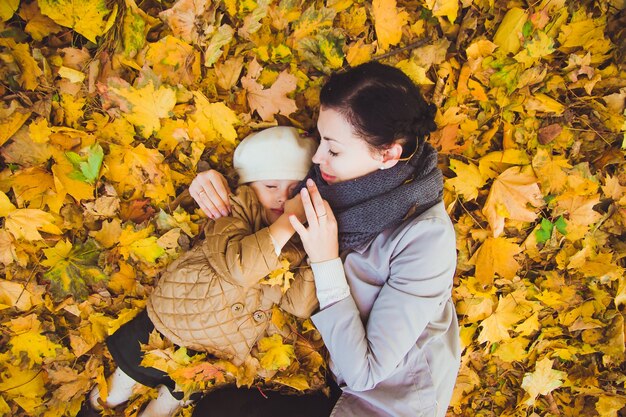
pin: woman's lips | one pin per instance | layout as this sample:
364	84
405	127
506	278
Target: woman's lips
278	211
327	178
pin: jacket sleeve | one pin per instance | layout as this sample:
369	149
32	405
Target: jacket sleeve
300	299
236	251
420	280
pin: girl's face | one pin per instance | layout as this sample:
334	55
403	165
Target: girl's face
342	155
272	195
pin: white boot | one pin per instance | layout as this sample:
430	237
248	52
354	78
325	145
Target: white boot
120	389
165	405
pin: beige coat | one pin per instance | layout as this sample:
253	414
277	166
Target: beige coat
210	298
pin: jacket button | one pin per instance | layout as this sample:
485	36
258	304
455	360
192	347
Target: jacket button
236	308
259	316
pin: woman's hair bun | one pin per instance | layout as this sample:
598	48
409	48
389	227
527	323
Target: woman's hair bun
424	122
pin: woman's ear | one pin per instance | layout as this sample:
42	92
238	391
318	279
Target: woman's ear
391	156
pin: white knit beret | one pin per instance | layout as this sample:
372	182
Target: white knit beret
277	153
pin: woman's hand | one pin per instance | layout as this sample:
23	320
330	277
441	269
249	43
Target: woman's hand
320	238
210	190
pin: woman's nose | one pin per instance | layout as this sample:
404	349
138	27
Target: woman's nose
317	159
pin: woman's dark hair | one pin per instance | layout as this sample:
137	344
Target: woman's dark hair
382	104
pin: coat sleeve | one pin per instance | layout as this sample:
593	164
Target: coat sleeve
237	252
421	272
300	299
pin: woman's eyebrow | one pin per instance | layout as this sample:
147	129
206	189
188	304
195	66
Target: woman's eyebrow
331	139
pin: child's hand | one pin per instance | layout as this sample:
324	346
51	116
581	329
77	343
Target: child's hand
294	206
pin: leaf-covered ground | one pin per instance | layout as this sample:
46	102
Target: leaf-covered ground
110	107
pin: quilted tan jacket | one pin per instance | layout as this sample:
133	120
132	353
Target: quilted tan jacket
210	298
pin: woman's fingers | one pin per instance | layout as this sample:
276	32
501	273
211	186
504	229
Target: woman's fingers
297	225
210	190
309	210
316	198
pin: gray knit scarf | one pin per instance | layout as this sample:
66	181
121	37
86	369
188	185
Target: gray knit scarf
366	206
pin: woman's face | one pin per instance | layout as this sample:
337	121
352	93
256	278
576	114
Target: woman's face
342	155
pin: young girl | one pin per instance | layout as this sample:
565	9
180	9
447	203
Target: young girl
210	298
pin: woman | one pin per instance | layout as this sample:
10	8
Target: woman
381	247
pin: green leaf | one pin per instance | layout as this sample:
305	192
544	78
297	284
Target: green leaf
527	29
561	225
544	233
91	168
86	168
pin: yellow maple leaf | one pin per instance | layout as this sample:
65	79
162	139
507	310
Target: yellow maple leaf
447	8
359	52
510	195
109	234
65	183
388	22
36	346
416	72
550	170
123	281
26	224
543	381
510	310
174	60
496	162
140	172
274	353
24	386
84	16
139	244
143	106
268	102
34	188
512	350
215	120
468	180
496	256
39	130
281	276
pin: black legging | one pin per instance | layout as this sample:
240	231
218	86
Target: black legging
250	402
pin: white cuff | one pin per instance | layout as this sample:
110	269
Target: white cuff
330	282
